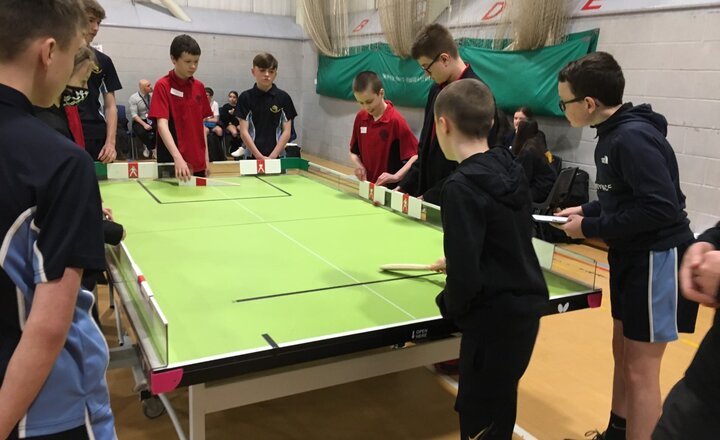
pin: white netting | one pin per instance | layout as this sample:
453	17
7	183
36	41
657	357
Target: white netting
514	25
537	24
326	22
401	20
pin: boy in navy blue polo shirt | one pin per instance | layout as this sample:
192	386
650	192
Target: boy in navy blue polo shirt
266	113
495	289
640	213
53	356
382	147
100	120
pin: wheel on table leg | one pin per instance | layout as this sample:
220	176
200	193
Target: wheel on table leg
152	407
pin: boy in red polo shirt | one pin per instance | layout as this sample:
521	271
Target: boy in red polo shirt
179	105
382	147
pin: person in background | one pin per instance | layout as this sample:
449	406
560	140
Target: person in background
528	148
99	119
521	114
139	104
229	120
213	130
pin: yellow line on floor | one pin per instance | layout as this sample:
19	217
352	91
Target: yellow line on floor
693	344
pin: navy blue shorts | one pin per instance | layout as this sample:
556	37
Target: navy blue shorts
644	295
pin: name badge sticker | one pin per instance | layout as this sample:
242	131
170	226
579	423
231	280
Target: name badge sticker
363	130
176	92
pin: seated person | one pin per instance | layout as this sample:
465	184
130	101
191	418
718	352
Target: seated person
212	124
523	113
266	113
504	130
139	104
528	147
63	117
382	147
229	119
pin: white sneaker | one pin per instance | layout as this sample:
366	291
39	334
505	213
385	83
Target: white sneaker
239	152
146	152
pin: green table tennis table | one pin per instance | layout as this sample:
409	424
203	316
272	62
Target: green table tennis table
269	285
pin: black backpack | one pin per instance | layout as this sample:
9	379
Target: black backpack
579	194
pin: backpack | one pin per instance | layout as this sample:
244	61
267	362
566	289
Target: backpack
579	194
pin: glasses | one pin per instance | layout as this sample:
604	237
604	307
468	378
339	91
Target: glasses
563	104
427	68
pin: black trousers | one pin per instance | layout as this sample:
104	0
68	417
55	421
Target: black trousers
215	150
685	416
493	358
145	136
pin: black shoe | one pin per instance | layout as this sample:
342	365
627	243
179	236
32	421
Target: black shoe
448	368
593	435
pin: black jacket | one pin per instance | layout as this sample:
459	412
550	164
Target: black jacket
703	374
226	118
427	174
540	175
640	205
491	263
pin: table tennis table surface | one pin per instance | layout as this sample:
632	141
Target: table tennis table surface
271	270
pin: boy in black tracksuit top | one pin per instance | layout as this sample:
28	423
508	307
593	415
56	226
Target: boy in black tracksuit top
640	213
436	52
495	288
692	409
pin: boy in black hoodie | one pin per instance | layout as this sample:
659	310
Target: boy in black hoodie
640	213
495	289
692	409
437	54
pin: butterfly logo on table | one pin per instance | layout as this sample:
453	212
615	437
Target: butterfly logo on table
562	308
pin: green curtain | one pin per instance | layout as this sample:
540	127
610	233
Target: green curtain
404	82
515	77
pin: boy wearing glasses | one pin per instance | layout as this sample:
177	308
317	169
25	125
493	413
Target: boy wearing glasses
437	54
640	213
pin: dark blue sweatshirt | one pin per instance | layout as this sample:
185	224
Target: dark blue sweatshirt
491	264
640	205
702	374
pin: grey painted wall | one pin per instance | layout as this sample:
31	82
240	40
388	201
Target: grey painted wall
224	65
671	60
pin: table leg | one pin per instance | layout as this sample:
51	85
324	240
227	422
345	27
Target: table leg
196	397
